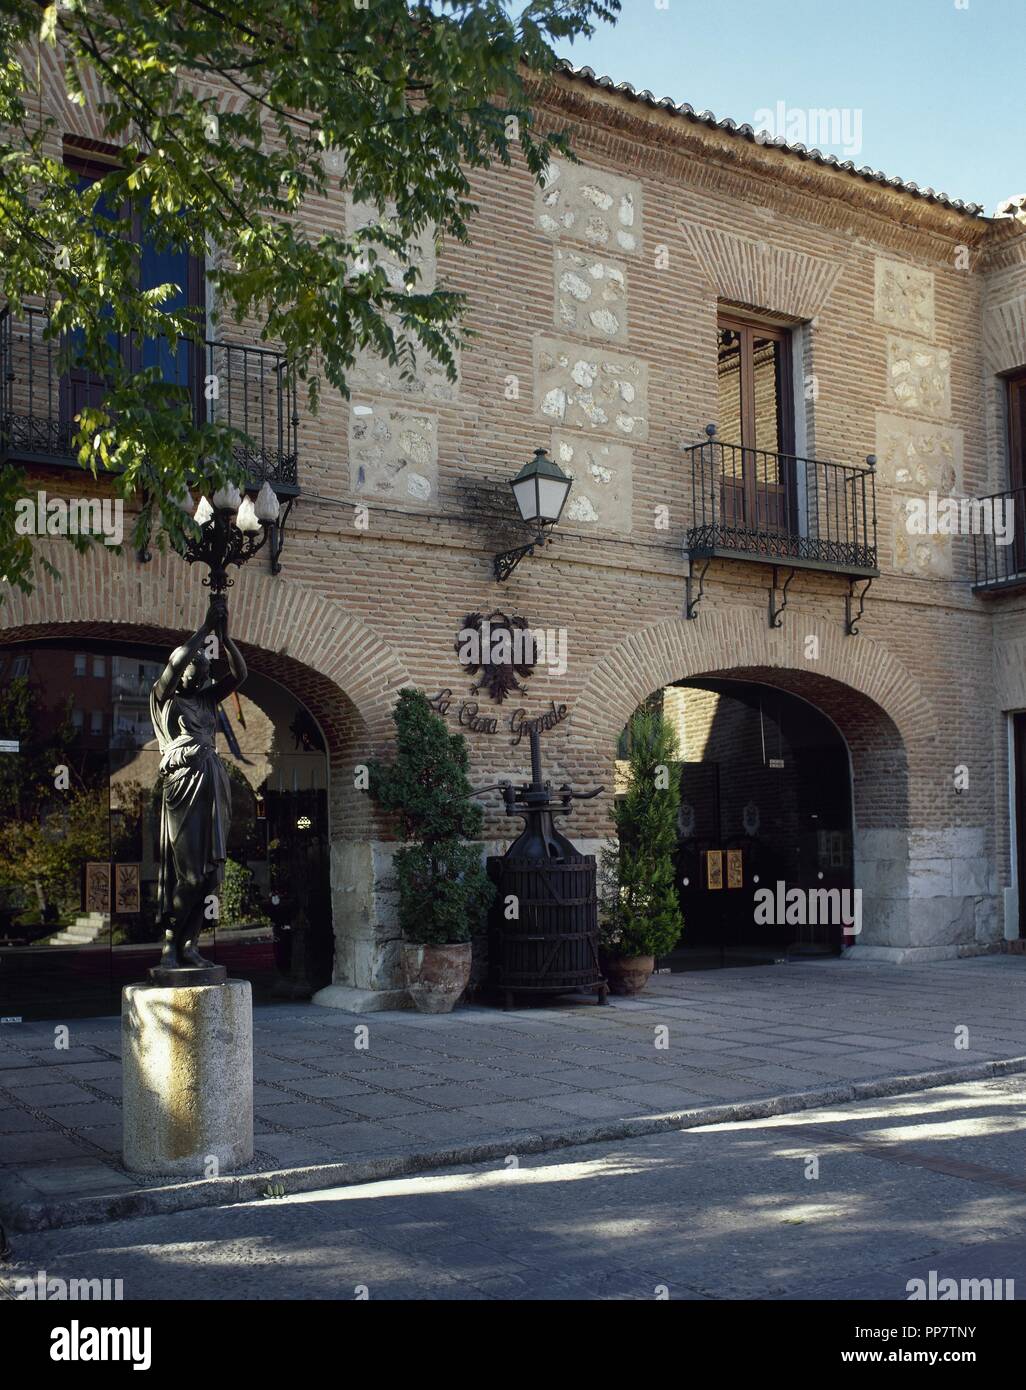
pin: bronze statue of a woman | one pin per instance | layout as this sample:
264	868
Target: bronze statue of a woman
195	812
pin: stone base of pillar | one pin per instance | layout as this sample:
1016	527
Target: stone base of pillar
187	1058
902	955
361	1001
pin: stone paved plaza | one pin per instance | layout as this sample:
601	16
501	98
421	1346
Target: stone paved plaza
430	1086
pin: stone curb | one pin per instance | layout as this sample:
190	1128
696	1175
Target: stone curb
30	1213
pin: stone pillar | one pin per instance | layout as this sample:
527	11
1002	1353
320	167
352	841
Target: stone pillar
367	975
188	1078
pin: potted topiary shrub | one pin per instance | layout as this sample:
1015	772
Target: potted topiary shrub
444	891
641	916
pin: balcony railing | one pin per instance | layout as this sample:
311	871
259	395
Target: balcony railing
250	388
999	552
750	504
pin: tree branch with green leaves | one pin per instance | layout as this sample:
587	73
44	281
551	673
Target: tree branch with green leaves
225	119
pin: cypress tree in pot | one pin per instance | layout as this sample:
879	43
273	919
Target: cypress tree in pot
641	917
444	891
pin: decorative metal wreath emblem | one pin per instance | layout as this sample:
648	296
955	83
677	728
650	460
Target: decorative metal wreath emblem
498	646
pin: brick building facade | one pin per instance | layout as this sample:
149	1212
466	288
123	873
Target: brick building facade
594	302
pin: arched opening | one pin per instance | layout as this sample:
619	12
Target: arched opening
792	789
79	818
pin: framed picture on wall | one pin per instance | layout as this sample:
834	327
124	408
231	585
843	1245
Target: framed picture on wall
127	890
714	868
97	888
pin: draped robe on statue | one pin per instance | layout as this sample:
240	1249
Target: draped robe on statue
195	812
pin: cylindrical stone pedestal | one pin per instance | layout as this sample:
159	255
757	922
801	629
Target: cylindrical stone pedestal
187	1059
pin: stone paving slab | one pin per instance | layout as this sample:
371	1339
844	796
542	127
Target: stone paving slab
693	1047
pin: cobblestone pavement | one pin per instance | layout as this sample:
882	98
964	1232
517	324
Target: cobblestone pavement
427	1083
900	1187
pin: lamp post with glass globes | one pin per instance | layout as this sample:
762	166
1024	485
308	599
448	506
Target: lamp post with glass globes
233	528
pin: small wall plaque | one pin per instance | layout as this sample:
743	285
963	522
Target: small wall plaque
735	872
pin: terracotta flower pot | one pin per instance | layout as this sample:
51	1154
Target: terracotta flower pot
435	976
628	974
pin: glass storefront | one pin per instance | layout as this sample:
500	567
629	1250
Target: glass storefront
79	819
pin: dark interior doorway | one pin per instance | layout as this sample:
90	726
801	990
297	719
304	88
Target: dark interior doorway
765	800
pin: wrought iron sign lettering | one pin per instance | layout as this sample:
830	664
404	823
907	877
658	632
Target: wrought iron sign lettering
469	716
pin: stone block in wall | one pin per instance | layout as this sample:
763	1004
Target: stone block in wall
590	295
928	556
602	494
918	377
419	254
904	297
393	453
884	921
590	206
916	456
422	376
589	387
989	928
972	877
940	921
950	842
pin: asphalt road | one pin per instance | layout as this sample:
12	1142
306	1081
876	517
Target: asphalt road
851	1202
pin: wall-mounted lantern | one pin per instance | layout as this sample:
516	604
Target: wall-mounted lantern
540	490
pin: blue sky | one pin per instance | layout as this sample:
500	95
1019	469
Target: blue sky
937	86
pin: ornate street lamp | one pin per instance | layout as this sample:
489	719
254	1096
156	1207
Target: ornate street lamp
540	490
233	527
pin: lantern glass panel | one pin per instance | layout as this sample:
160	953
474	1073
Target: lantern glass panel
526	494
551	496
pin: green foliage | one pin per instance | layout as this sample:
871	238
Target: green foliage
641	910
444	891
234	890
417	95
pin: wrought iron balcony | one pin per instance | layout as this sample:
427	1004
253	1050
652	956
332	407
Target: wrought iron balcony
999	564
250	388
785	511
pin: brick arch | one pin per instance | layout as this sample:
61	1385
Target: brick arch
307	641
1004	334
871	698
728	641
758	273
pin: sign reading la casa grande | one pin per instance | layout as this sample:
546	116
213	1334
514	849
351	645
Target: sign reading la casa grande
469	716
497	648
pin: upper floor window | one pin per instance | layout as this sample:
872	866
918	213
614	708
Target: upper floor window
157	265
756	412
754	374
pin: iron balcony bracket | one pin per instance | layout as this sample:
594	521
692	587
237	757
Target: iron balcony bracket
776	615
692	599
851	624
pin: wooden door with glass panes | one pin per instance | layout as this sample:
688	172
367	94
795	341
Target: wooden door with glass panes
756	412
